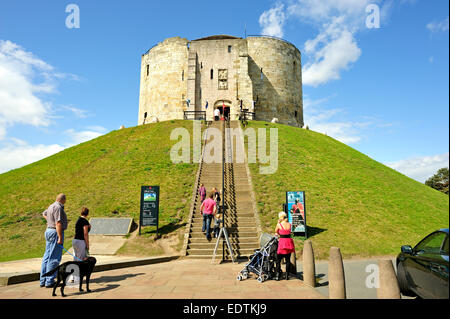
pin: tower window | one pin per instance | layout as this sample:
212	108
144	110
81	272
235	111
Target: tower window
296	113
212	74
201	65
148	69
182	75
229	49
262	75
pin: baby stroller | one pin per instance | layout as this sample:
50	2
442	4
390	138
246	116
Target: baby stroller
262	262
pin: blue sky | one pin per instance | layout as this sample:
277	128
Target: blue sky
383	91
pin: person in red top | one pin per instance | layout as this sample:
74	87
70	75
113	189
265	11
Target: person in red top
208	209
285	244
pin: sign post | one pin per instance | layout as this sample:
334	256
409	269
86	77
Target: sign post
296	211
149	211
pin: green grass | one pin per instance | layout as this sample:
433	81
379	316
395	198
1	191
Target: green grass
105	175
352	201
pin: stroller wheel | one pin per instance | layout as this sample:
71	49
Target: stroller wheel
244	275
260	279
239	278
265	277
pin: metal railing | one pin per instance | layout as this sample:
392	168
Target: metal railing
245	116
195	115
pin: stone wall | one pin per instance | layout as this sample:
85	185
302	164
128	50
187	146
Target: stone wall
260	69
163	92
275	71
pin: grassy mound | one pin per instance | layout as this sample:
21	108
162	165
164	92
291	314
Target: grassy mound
105	175
352	201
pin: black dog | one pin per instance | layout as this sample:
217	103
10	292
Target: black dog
64	270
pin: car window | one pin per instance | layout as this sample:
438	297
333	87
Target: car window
445	247
431	244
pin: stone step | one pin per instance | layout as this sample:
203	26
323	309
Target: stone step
199	234
229	222
232	239
212	244
210	252
230	229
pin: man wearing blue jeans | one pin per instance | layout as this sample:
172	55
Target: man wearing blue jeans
54	238
208	210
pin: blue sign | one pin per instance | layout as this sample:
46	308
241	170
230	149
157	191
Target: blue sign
296	211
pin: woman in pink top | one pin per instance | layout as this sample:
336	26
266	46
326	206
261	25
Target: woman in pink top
285	244
208	209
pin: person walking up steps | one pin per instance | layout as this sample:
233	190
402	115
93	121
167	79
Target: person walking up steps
54	238
208	210
202	192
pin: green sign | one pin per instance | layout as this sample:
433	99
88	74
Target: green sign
149	212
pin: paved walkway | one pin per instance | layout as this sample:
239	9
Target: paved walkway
180	279
34	264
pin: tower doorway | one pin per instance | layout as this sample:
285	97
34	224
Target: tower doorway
224	107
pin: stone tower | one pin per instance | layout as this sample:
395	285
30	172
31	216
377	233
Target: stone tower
260	74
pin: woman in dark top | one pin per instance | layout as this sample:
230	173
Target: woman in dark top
80	242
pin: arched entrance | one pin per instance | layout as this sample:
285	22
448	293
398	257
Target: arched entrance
224	107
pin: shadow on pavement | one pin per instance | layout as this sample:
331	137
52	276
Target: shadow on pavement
106	288
318	278
104	279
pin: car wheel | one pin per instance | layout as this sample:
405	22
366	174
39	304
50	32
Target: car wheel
402	282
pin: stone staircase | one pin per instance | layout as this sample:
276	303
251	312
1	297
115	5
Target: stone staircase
240	220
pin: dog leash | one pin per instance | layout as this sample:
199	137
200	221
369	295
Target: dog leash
70	253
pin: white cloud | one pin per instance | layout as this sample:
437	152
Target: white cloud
325	121
421	168
24	78
84	136
272	21
332	51
18	100
323	11
19	153
441	26
79	113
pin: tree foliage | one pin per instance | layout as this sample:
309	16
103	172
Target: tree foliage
439	180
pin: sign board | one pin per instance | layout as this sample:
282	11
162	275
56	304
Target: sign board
296	211
149	211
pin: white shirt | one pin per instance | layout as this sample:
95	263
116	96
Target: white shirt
216	112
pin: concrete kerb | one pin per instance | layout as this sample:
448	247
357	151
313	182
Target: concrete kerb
17	278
